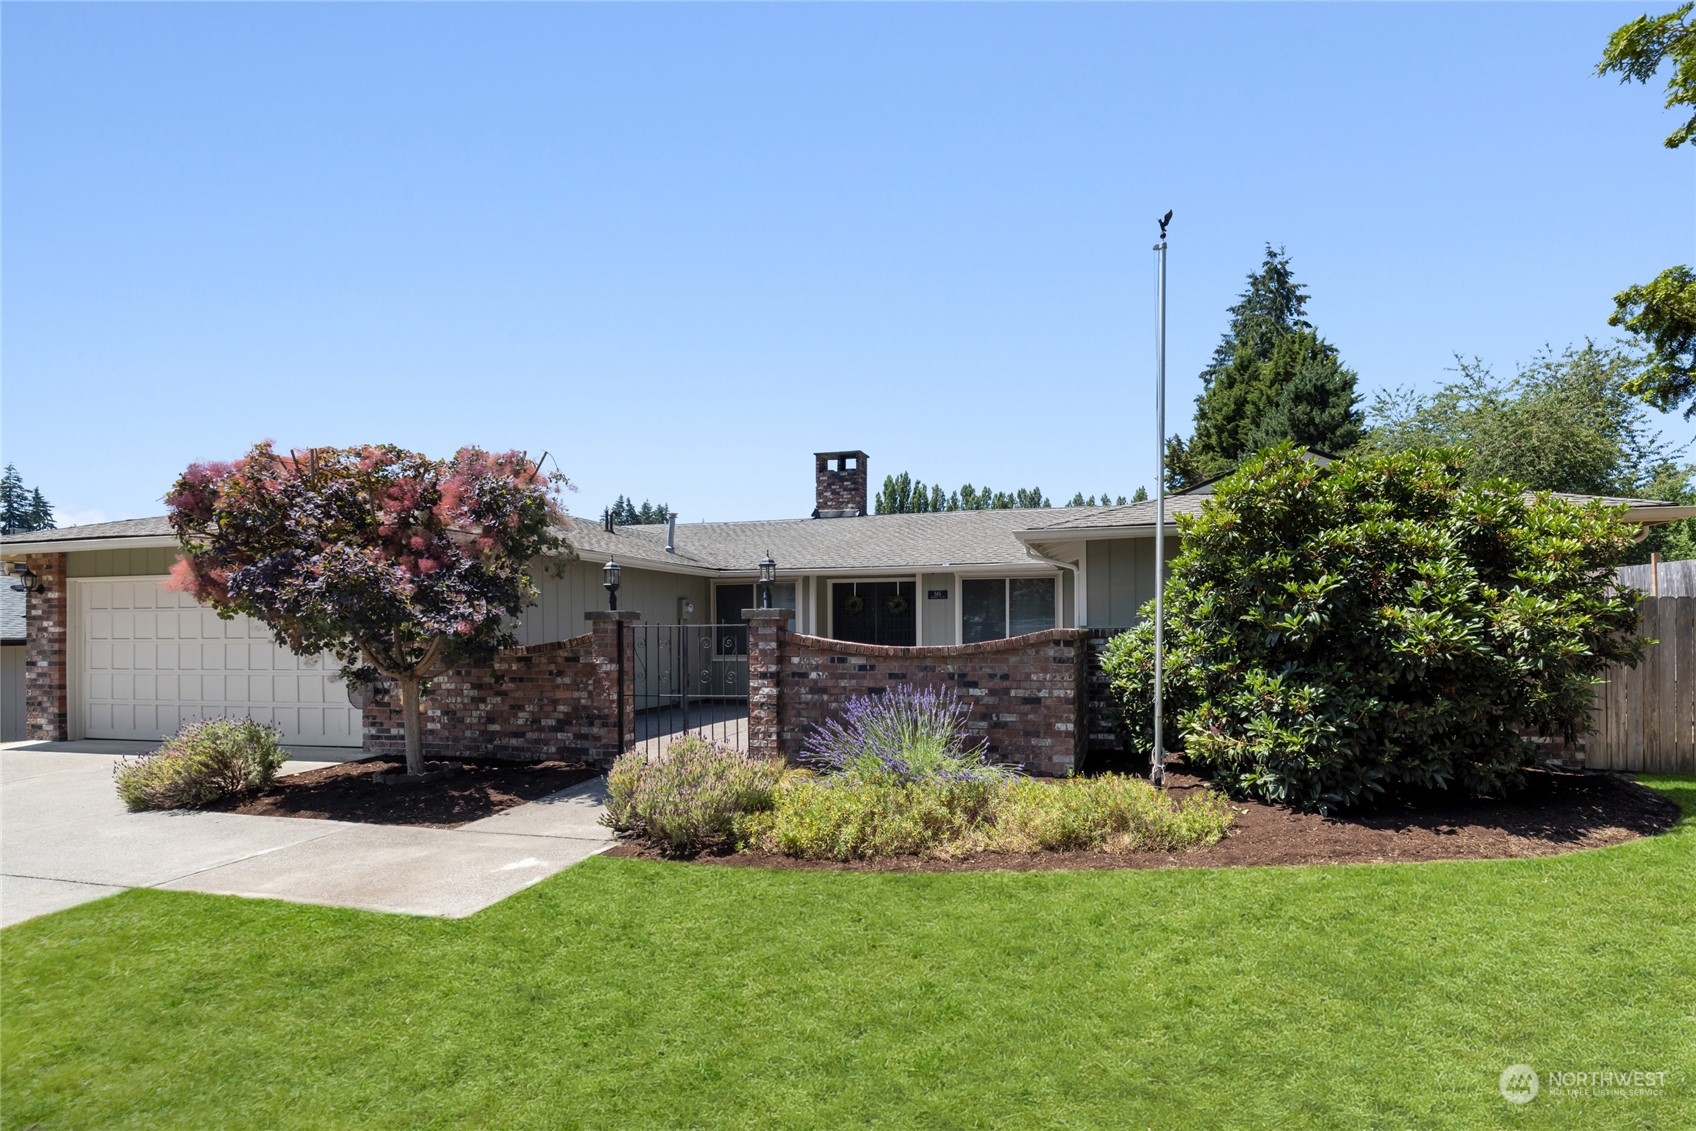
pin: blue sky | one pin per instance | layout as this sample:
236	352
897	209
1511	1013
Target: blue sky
683	247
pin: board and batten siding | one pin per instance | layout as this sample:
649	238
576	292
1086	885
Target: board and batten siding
558	613
12	692
120	563
1119	579
939	614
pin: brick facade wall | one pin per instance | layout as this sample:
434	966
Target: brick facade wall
1028	694
538	702
46	685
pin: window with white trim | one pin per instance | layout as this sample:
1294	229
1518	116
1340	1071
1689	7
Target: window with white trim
992	608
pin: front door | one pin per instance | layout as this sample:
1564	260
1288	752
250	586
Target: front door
875	612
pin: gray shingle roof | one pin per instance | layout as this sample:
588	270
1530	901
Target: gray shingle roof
888	541
1131	514
122	528
11	612
884	541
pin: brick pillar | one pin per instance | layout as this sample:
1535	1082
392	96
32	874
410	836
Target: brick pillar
46	683
614	700
765	669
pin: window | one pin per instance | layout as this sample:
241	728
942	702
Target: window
874	612
992	608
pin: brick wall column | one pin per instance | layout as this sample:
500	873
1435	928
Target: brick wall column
614	701
765	670
47	633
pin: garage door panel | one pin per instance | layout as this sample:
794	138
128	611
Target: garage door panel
153	660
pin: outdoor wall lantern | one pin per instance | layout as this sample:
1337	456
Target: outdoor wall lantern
768	574
610	571
31	581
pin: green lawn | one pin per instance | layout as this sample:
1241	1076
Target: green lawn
633	994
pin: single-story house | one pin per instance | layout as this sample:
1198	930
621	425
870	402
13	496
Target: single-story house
128	658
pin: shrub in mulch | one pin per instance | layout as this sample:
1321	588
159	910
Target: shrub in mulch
690	796
203	762
850	818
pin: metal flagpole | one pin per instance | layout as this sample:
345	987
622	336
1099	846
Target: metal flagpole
1157	758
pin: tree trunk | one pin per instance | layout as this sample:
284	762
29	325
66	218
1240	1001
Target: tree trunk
411	713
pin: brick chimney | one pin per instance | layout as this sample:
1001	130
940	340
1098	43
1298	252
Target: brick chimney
839	480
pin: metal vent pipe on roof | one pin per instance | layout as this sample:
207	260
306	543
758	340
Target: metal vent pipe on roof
671	532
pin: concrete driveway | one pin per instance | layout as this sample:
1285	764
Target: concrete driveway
65	839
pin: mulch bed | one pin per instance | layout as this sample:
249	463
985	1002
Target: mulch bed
1559	812
347	793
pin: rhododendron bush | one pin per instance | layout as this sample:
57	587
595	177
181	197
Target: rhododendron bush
400	565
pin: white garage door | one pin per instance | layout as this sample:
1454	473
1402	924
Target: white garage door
153	659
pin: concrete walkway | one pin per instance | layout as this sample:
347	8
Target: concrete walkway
65	839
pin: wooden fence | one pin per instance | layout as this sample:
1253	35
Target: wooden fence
1646	716
1665	579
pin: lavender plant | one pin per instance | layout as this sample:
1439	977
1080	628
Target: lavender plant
904	734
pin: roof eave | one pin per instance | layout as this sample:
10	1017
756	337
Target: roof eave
16	551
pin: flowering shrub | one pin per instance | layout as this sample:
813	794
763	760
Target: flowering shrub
201	763
400	565
901	735
691	795
1337	632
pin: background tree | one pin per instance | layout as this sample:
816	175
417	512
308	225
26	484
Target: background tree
400	565
627	513
1106	500
21	508
1662	313
1336	633
40	511
903	494
1565	422
1272	378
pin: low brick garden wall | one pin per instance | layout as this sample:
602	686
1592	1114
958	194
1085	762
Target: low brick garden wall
1028	694
535	703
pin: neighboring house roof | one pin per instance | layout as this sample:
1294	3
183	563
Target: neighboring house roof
11	613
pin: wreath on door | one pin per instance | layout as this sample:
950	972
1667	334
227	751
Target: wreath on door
897	604
855	604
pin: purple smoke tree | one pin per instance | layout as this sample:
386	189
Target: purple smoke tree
400	565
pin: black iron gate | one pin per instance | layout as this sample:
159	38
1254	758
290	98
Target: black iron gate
690	679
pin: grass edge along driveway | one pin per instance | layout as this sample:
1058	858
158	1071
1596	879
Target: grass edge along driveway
626	993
